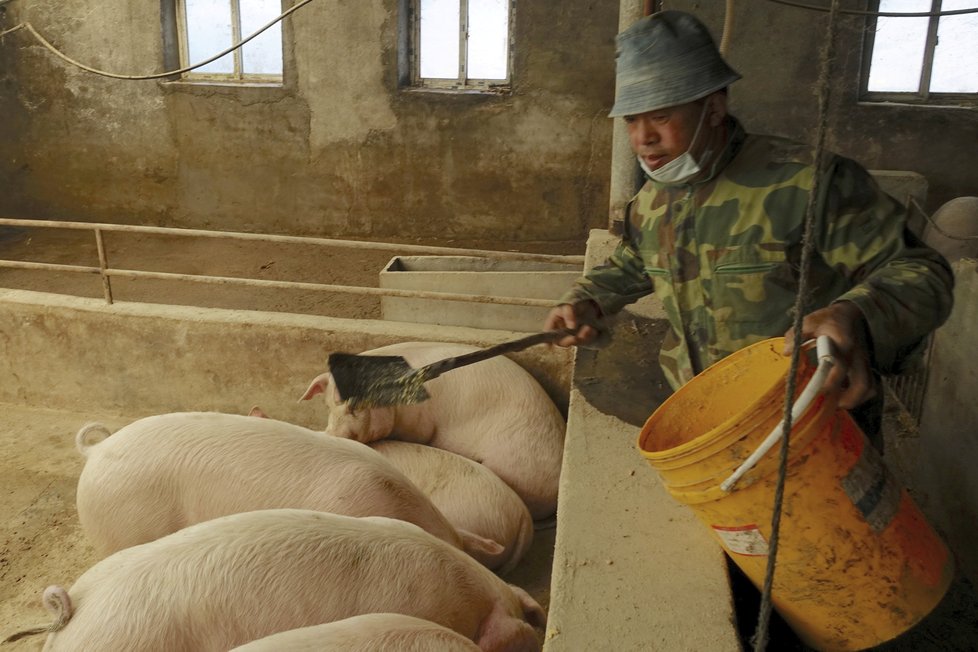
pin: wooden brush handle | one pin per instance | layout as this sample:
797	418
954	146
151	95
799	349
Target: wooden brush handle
436	369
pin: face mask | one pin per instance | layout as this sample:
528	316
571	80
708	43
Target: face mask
684	166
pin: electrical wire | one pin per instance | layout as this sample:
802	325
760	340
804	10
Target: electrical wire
728	12
160	75
884	14
937	227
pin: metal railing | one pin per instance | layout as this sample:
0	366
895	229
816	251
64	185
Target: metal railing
910	386
107	273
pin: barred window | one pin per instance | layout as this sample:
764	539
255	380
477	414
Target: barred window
461	44
923	58
207	27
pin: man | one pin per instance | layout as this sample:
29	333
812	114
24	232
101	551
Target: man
716	232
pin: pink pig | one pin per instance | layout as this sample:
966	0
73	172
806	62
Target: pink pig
165	472
366	633
493	412
235	579
471	497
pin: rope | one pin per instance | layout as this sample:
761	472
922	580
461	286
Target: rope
43	41
885	14
808	246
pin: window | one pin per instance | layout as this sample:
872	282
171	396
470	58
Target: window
208	27
461	44
923	59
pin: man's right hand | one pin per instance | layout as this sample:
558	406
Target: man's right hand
581	316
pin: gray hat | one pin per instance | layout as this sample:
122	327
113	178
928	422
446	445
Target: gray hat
666	59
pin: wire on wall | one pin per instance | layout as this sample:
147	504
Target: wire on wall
937	227
728	13
43	41
884	14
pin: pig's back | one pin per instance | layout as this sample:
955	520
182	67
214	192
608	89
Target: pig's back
374	632
166	472
239	578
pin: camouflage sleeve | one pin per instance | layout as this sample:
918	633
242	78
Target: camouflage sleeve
903	288
615	283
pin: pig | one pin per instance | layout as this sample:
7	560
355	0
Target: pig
238	578
471	497
493	412
366	633
165	472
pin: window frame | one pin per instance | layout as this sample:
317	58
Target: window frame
237	76
922	95
461	83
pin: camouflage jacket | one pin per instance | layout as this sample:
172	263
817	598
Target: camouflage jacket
723	256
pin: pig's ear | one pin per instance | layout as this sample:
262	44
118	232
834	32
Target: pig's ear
533	613
318	386
485	551
257	412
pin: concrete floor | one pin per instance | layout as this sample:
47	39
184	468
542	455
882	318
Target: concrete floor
41	542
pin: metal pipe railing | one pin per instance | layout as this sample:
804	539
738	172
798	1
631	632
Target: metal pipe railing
106	272
294	239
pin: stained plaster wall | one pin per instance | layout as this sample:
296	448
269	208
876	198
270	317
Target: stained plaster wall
777	48
342	150
948	442
339	150
82	355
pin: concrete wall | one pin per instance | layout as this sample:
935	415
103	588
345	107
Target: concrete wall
634	569
83	355
948	446
340	150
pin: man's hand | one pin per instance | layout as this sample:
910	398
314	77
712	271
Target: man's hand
845	325
578	316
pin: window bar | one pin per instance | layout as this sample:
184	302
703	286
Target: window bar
183	37
103	263
236	38
414	46
463	39
929	47
869	44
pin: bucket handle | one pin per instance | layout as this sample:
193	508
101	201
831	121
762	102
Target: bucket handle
825	363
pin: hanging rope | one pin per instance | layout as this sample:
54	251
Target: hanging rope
43	41
801	301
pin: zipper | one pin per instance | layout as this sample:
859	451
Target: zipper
744	268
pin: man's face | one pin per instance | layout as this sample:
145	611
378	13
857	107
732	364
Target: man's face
660	136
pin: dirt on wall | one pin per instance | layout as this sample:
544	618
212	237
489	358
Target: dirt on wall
342	146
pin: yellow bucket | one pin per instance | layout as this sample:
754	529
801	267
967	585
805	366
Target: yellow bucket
858	564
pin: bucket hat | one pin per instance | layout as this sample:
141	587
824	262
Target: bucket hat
665	59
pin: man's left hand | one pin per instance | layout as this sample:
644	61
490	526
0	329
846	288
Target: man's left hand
845	325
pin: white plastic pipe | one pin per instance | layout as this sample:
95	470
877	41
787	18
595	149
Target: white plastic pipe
826	361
